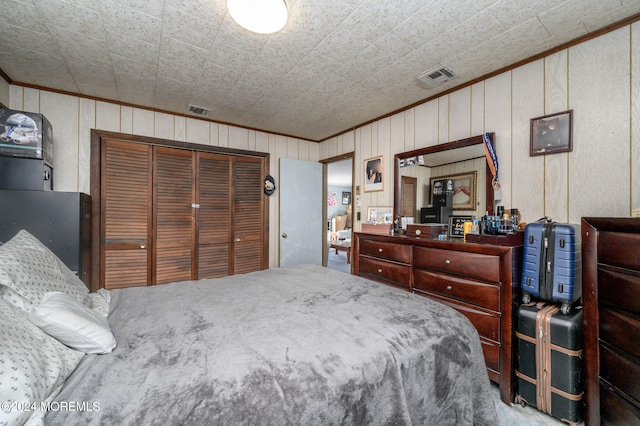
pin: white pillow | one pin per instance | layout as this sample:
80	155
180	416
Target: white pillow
33	366
61	316
30	269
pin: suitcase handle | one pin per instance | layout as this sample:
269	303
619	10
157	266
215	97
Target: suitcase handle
545	219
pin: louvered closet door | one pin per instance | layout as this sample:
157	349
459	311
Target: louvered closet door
248	215
173	215
126	191
214	215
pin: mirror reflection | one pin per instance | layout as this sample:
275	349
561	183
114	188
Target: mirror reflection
448	179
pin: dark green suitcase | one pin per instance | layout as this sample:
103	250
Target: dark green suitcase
549	360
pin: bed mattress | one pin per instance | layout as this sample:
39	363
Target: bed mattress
297	345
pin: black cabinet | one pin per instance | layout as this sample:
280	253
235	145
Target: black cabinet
25	173
61	220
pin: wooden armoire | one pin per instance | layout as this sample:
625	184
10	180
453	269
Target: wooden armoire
170	211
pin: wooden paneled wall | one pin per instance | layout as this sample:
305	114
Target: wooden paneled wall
598	79
4	92
73	117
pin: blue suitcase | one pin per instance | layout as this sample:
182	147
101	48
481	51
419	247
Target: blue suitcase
552	263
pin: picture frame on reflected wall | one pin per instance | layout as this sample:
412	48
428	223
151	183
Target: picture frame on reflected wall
464	187
551	134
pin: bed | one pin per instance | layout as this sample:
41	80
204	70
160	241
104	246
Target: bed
298	345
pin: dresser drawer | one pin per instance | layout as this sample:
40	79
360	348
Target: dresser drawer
620	372
481	266
393	273
618	288
487	324
620	249
397	252
474	292
620	330
616	410
491	351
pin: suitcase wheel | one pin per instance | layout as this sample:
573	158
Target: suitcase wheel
565	308
526	298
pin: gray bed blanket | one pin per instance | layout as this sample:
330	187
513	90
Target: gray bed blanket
294	346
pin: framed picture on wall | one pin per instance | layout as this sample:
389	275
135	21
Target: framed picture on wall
346	198
374	174
463	185
552	133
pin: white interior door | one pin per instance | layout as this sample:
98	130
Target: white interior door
301	204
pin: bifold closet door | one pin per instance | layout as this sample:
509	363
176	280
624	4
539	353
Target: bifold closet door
126	232
214	215
173	215
248	217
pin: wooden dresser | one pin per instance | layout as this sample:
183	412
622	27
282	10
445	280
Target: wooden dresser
611	312
478	280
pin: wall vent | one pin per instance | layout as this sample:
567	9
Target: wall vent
198	110
436	77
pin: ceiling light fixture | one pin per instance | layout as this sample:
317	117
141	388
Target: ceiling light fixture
259	16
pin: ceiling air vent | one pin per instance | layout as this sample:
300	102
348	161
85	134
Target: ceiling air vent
198	110
436	77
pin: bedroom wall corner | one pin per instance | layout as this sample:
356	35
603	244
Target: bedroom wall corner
598	79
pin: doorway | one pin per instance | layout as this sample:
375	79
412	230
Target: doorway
338	212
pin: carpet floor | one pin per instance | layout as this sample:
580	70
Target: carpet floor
338	261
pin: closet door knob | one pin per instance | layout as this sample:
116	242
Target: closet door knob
237	240
143	246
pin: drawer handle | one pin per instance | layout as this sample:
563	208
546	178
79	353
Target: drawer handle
379	271
142	246
379	250
449	288
448	262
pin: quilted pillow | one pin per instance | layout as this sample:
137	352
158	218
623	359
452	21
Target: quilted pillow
29	269
61	316
33	365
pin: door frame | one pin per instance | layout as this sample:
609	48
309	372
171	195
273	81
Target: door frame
97	211
325	184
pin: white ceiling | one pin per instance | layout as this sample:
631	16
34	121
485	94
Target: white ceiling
336	64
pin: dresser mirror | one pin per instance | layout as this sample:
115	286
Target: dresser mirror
462	161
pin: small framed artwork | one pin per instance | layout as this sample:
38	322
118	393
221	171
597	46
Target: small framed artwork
463	185
552	133
380	215
456	225
332	199
374	174
346	198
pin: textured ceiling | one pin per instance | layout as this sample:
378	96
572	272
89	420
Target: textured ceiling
336	64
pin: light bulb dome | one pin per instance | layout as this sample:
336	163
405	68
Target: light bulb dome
259	16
